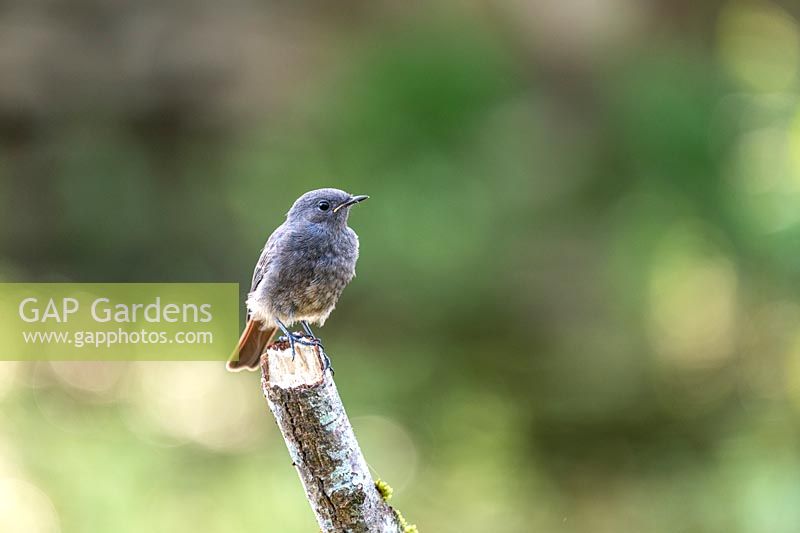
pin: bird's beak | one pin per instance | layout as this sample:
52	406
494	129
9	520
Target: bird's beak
351	201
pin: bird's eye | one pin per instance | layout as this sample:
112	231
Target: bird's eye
324	205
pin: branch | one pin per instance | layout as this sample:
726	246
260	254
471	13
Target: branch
321	442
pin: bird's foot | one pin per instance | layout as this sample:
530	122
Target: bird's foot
301	339
305	340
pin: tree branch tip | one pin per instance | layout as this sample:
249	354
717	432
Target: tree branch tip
281	368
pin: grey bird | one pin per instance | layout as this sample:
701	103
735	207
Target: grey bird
304	267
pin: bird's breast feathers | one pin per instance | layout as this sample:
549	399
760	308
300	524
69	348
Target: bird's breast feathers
307	278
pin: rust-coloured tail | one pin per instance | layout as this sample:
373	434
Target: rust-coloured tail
252	344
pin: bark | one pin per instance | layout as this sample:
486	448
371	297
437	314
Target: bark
321	443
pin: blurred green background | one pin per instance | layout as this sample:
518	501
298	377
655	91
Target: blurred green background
576	307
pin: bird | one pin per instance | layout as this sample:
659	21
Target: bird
305	265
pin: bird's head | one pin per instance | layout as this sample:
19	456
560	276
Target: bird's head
324	206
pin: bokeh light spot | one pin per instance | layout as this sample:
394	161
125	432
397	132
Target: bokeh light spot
95	378
389	449
201	403
759	43
768	185
693	299
24	508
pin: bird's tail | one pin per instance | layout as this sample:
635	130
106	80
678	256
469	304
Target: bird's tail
252	344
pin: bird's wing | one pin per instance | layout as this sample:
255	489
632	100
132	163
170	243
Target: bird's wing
267	255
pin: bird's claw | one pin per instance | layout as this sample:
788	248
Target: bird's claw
326	362
312	341
305	340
